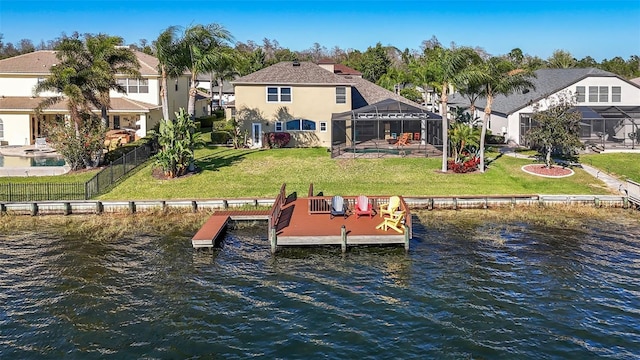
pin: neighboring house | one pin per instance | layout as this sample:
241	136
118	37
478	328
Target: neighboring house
325	105
206	81
138	110
609	104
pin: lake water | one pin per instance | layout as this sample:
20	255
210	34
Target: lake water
497	290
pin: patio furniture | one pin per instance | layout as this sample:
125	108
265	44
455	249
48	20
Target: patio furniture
389	208
395	222
404	139
364	207
338	207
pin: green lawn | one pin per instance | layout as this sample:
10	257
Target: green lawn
228	173
81	177
623	165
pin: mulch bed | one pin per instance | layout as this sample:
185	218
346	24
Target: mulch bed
542	170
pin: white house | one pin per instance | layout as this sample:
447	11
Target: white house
140	109
609	104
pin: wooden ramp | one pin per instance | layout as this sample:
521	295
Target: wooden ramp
210	231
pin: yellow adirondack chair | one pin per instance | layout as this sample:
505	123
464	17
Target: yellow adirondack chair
393	222
391	207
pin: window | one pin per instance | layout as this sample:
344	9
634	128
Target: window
278	126
604	94
135	86
593	94
301	124
1	129
580	94
323	126
616	94
278	94
341	95
176	84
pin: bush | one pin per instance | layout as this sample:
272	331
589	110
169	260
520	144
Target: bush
494	139
277	139
465	166
220	137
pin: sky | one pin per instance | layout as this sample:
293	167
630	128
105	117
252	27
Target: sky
601	29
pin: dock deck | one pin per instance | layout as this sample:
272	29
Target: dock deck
209	233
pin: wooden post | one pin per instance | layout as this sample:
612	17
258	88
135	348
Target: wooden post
406	237
67	208
132	207
163	204
225	204
486	203
34	209
343	235
274	240
194	206
625	202
430	203
99	207
455	203
596	202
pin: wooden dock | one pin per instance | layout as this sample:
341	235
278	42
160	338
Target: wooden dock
210	233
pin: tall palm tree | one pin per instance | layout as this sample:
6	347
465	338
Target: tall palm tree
171	62
454	66
206	48
108	58
500	78
226	69
72	79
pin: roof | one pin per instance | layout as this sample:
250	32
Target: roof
288	73
39	63
387	106
26	103
364	92
547	82
635	81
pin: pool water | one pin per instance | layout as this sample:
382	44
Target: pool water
30	161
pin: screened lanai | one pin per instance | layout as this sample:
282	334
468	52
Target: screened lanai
388	127
612	127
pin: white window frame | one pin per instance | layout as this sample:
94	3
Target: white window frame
603	94
135	86
581	94
278	126
301	123
593	94
323	126
281	97
616	94
1	129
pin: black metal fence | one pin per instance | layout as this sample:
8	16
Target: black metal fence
102	182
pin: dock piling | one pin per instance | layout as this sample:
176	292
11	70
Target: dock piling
273	239
343	235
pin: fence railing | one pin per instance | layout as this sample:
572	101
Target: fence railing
99	184
109	176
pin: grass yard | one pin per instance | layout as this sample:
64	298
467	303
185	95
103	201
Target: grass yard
623	165
229	173
81	177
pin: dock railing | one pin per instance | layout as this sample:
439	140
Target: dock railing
276	209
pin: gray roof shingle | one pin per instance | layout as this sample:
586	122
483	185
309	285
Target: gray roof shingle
547	82
286	73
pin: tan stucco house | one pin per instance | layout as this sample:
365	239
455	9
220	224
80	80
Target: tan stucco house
326	105
138	110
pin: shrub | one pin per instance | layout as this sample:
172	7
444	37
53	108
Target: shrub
277	139
466	166
220	137
494	139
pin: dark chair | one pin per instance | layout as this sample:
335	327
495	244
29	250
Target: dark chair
338	207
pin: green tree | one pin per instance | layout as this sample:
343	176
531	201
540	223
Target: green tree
206	48
499	77
412	94
465	138
561	59
109	59
375	63
73	78
558	128
177	139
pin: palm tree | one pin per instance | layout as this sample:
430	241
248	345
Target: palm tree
172	63
108	58
500	78
206	48
453	66
224	70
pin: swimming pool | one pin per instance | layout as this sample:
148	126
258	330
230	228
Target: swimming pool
30	161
